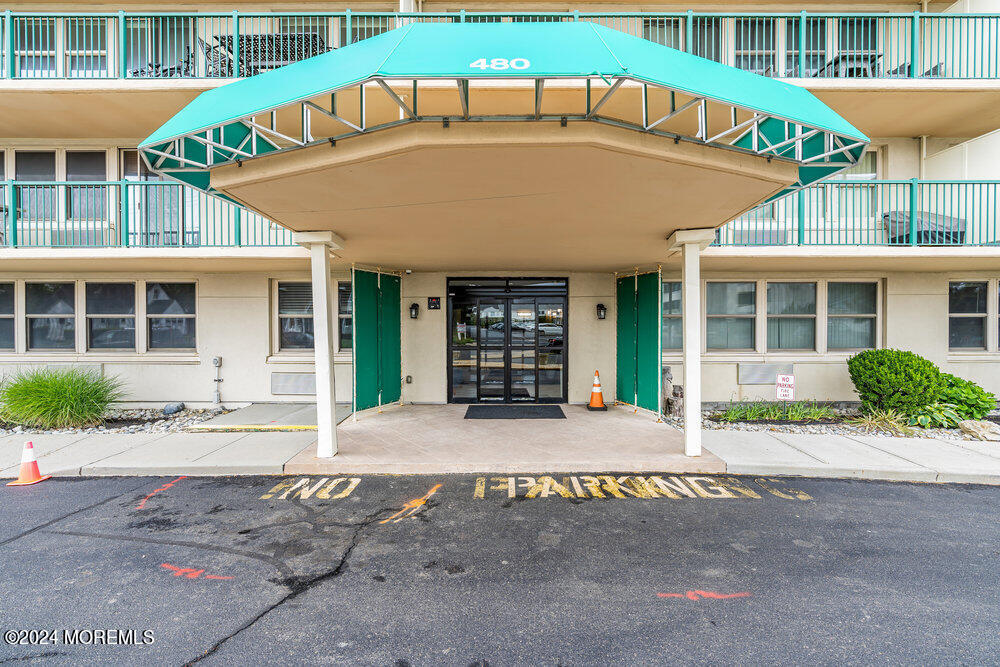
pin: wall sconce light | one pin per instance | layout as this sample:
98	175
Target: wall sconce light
414	311
602	311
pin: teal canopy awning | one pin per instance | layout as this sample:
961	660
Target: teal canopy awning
769	117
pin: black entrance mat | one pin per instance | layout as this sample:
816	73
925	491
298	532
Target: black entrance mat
514	412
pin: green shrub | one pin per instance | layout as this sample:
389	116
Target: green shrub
47	398
773	411
935	415
970	400
894	380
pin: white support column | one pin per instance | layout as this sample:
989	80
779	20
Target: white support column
690	243
324	325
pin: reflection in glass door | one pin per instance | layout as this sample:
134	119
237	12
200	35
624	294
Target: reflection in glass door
507	341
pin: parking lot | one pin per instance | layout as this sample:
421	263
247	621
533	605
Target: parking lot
464	569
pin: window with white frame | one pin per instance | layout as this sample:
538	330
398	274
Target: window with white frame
345	315
754	45
731	313
851	315
170	316
110	313
813	49
967	309
791	316
295	316
6	316
673	331
665	31
50	310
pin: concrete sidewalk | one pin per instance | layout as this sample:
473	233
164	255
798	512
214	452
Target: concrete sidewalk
409	442
861	457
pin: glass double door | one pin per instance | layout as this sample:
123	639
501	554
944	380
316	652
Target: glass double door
507	349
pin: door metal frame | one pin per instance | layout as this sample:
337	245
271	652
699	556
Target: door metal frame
507	294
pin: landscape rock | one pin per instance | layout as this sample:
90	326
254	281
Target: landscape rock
981	430
172	408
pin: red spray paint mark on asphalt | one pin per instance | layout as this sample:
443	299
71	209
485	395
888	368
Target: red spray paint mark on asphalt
697	595
190	572
162	488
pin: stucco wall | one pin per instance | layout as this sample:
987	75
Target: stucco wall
235	321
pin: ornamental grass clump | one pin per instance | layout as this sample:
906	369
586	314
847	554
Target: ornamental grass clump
64	398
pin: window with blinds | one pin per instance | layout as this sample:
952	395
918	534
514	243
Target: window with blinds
295	316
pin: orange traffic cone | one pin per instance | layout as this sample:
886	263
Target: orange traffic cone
29	468
597	395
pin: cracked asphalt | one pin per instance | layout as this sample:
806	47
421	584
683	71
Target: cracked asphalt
458	569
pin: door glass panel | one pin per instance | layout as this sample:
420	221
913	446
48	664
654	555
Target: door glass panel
522	323
491	367
550	324
550	374
491	323
463	324
463	374
522	375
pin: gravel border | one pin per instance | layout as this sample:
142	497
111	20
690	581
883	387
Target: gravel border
154	421
822	429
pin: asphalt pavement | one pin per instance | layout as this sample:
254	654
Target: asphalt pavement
459	569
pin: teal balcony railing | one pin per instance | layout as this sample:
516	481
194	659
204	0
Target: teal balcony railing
219	45
143	214
874	213
151	214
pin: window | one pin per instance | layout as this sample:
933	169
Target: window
707	38
731	310
967	315
791	316
851	315
36	202
815	46
755	45
170	314
363	27
86	43
50	309
110	316
663	31
673	332
345	312
35	47
6	316
86	202
295	316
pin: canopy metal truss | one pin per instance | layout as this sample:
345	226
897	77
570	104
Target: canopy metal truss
819	152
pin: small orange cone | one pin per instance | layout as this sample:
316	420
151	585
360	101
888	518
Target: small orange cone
29	468
597	395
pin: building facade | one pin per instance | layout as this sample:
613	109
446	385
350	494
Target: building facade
105	264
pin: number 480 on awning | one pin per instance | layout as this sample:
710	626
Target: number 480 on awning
500	63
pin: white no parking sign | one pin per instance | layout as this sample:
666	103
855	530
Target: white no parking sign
785	387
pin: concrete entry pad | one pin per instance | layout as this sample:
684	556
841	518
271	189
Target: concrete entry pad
438	439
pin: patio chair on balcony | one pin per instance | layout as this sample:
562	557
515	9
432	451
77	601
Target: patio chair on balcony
929	228
155	70
851	65
218	61
904	71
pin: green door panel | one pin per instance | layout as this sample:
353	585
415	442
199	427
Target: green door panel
625	371
366	348
390	363
648	341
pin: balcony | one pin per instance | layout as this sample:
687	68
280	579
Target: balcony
119	214
149	214
874	213
142	45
